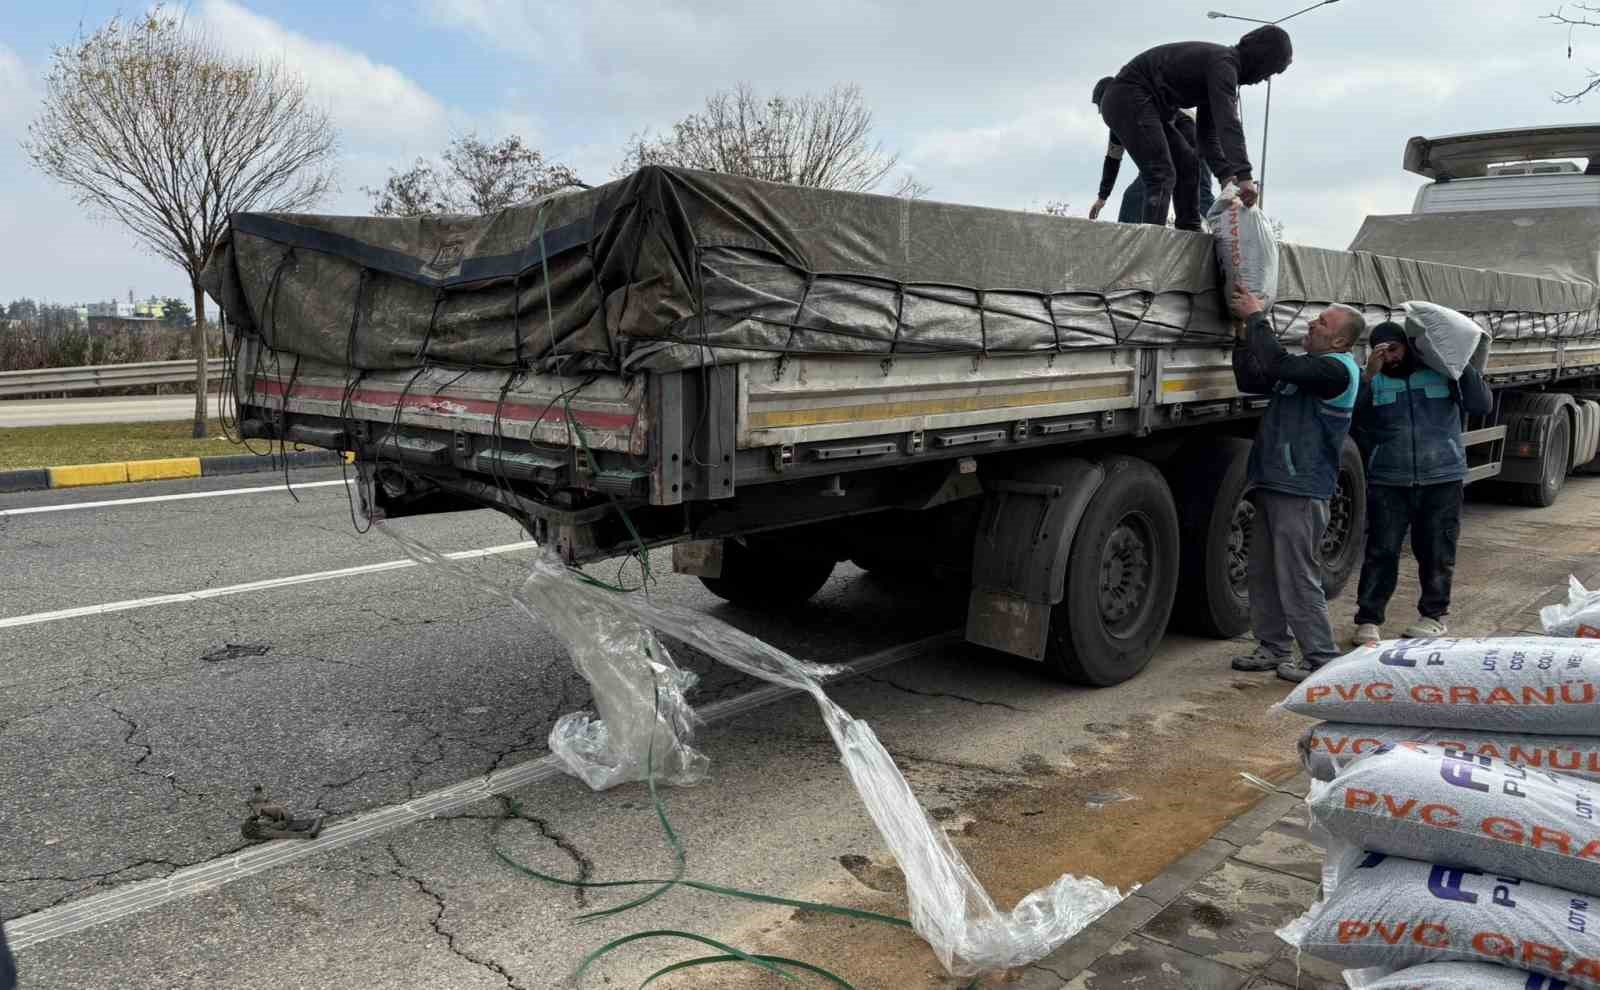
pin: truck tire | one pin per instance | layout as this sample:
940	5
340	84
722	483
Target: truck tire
1208	480
1122	575
1347	522
1591	463
764	577
1554	462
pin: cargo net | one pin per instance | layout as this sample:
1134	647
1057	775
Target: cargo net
643	726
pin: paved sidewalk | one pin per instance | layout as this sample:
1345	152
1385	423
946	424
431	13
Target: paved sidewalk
1208	922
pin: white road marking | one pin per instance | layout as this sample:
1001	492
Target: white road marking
240	589
141	895
67	507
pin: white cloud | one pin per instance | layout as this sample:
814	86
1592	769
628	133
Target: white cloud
1052	128
364	97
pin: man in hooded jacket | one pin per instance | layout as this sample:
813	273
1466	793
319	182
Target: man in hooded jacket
1407	423
1180	132
1139	104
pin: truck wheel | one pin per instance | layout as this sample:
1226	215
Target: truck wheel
764	577
1347	522
1555	460
1122	574
1208	481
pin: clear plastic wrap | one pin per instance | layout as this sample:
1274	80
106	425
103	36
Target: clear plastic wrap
1580	616
637	687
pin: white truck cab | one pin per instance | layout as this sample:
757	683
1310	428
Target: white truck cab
1524	169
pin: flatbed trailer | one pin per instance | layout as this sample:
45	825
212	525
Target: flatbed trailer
1081	467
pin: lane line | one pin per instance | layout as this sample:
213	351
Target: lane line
141	895
181	496
240	589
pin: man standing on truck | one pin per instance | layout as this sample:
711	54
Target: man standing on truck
1292	474
1408	426
1180	132
1139	104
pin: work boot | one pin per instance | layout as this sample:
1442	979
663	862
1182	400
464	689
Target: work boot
1366	634
1295	669
1425	627
1258	660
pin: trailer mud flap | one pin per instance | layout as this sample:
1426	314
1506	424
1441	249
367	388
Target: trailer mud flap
1019	560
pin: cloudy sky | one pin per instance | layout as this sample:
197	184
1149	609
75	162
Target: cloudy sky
986	103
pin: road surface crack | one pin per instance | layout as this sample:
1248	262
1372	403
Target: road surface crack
170	777
560	841
401	871
941	694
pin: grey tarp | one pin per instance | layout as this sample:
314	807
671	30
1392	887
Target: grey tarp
671	268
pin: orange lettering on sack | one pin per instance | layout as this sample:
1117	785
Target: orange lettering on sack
1591	851
1316	694
1494	945
1503	829
1463	694
1500	696
1380	691
1560	840
1427	694
1440	941
1547	957
1394	937
1353	931
1440	816
1398	809
1355	797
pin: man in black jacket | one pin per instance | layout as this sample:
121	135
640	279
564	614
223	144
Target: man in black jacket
1139	104
1180	133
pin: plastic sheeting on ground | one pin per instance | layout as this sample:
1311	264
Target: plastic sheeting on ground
639	693
1580	616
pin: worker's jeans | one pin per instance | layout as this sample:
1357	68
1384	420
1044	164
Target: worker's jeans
1166	160
1287	602
1433	515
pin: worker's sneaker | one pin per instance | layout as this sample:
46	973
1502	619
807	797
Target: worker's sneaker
1425	628
1258	660
1366	634
1295	669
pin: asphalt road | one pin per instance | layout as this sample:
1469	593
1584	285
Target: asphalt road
130	736
97	409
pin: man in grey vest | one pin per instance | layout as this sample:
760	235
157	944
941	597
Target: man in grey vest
1293	471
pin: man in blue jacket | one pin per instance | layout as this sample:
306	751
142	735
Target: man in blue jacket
1292	474
1408	426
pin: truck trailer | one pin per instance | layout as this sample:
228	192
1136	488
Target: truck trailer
774	379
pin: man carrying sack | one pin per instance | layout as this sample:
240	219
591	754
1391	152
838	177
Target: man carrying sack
1408	426
1292	474
1139	104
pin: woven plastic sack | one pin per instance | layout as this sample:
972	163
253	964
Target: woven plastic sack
1579	617
1389	912
1246	247
1459	976
1441	806
1522	684
1445	340
1328	747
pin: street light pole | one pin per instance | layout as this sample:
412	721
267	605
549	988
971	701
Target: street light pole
1266	117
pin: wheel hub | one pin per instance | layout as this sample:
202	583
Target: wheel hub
1125	573
1239	529
1341	509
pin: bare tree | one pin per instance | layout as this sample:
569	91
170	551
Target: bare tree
476	177
823	141
1056	208
152	125
1560	16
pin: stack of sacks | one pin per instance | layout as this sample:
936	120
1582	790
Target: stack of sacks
1451	871
1530	700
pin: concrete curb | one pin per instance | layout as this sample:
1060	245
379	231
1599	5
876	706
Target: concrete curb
164	469
1056	969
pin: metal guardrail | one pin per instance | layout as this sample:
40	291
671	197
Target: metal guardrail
91	377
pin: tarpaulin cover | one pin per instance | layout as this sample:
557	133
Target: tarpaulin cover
670	268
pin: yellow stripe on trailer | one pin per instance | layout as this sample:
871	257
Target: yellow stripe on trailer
867	411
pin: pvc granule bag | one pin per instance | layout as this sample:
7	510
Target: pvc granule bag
1441	806
1523	684
1389	912
1579	617
1444	339
1328	747
1459	976
1246	247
